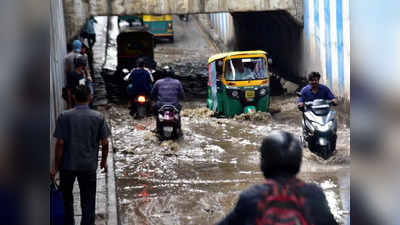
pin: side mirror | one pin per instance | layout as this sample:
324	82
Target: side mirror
269	61
125	70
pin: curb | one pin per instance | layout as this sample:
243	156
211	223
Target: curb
112	201
112	206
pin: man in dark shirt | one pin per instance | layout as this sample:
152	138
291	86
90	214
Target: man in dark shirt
315	90
76	77
140	80
281	156
167	91
79	132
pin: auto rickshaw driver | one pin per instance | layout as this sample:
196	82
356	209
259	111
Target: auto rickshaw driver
238	70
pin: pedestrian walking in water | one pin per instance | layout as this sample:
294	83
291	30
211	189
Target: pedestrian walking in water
282	198
79	132
89	33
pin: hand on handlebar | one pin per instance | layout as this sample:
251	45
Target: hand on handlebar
334	102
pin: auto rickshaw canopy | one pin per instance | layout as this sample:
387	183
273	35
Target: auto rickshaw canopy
151	18
227	54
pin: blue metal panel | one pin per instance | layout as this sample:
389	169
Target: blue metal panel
328	43
339	27
316	21
306	19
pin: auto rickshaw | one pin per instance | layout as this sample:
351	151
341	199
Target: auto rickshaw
132	43
238	83
160	26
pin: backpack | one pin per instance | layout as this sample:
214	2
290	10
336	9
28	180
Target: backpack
283	205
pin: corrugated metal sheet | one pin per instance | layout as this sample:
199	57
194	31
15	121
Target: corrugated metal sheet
327	31
222	23
57	53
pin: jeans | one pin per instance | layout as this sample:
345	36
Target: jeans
87	187
90	85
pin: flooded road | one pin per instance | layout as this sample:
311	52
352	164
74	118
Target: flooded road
197	179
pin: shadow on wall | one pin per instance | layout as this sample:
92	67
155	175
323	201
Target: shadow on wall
275	32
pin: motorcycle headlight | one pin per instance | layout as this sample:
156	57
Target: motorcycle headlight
235	94
324	127
263	91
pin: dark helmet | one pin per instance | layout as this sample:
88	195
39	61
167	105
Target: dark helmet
281	154
140	62
168	71
313	75
80	61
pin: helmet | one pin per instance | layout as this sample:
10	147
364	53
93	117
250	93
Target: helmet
140	62
281	154
168	71
80	61
77	45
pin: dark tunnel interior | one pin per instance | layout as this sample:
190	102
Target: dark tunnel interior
275	32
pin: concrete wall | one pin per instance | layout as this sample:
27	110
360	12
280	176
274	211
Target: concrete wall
57	53
78	11
327	42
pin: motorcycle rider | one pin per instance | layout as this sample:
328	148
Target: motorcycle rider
280	159
140	81
315	90
167	91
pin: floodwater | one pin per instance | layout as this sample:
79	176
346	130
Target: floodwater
197	179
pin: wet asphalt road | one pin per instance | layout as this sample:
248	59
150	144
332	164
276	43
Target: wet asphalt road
197	179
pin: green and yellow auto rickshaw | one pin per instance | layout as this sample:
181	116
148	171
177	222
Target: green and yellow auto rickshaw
238	83
160	26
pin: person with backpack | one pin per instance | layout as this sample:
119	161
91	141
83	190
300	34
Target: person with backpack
282	198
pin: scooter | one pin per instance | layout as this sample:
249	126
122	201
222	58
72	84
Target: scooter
140	102
140	106
168	122
319	127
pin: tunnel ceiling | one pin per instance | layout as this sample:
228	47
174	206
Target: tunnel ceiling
78	11
276	32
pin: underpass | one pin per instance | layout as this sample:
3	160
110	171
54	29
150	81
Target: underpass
197	179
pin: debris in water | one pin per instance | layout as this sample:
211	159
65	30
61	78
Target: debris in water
170	145
255	116
274	109
197	113
151	137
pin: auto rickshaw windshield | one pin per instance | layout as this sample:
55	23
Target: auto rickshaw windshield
245	69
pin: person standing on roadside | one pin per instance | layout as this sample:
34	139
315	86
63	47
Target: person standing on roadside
79	132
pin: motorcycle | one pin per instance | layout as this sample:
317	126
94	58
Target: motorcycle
140	103
168	122
319	127
140	106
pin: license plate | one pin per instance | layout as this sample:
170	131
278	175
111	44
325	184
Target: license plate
168	129
250	94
